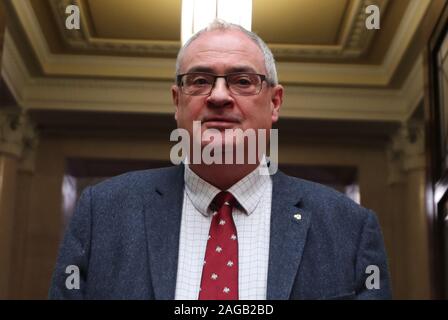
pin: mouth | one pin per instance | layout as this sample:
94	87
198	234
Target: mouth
220	122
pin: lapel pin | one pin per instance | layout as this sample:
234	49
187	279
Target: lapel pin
298	216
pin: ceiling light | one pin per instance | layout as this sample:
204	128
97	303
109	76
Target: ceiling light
197	14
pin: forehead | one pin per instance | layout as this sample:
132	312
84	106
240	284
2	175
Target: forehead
223	50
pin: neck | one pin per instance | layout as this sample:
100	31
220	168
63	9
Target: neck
222	176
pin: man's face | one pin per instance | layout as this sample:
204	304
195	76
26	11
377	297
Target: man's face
223	52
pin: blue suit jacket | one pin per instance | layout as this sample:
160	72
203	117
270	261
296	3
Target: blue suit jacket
124	238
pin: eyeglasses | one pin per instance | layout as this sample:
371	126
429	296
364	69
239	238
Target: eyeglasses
202	83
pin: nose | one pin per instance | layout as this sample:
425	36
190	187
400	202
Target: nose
220	95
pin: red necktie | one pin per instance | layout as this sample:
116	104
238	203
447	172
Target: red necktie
220	271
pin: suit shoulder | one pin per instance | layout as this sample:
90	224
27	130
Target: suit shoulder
333	214
135	180
326	199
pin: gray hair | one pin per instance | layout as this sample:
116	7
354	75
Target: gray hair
222	25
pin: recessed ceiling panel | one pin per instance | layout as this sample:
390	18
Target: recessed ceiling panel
135	19
305	22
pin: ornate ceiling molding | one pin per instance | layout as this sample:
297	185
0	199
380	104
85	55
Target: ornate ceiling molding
137	96
83	39
355	39
163	68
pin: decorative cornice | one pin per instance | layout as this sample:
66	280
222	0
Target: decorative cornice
2	30
159	68
354	42
82	39
13	70
154	96
76	36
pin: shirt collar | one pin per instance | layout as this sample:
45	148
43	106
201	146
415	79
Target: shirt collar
248	191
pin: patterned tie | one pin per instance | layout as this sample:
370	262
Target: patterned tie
220	271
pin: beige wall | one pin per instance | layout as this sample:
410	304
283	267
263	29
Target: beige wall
399	206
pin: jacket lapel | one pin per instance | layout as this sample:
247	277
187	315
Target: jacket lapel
163	210
287	239
289	227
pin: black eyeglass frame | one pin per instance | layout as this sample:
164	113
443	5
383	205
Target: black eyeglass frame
261	76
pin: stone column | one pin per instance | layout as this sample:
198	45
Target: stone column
10	150
407	164
16	142
8	167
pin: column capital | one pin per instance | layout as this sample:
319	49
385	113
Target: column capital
406	150
18	137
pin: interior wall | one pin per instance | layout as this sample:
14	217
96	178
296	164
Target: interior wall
44	219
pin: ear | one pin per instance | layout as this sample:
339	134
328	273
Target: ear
175	97
276	102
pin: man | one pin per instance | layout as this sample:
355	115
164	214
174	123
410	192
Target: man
220	231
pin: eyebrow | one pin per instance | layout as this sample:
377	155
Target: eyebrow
230	70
